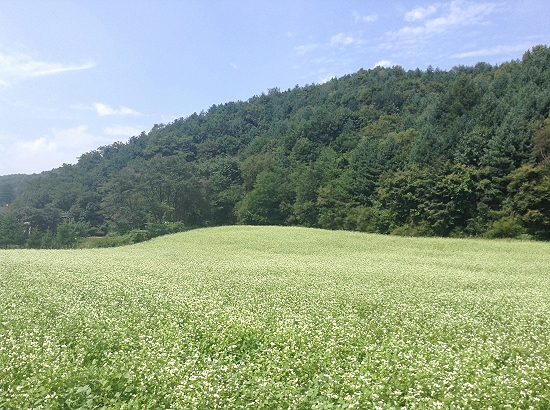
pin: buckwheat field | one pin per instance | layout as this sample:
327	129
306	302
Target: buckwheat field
277	318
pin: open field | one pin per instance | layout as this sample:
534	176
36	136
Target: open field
269	317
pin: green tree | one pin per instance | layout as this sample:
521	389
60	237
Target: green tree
12	231
431	153
431	200
529	189
306	182
269	203
68	233
7	194
541	142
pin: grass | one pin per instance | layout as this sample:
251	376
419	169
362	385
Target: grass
272	317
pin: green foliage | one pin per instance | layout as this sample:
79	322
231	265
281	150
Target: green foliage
12	230
529	190
13	185
269	203
134	236
541	141
109	241
459	99
505	227
7	194
384	150
68	233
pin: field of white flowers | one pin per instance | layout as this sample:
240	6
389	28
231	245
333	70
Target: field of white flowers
277	318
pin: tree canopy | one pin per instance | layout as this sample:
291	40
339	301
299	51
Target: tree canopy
463	152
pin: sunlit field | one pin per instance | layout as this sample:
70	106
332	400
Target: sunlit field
277	318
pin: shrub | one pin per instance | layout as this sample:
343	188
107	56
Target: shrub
505	227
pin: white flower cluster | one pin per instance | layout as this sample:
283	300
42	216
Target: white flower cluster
277	318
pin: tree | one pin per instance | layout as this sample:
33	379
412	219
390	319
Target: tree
305	210
68	233
7	194
460	97
541	142
424	153
529	189
12	231
269	203
433	200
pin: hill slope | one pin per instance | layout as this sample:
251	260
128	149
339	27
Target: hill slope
275	317
458	153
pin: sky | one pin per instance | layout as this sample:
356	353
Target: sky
76	75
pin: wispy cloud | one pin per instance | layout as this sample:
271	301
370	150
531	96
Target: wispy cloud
370	18
341	39
104	109
323	75
420	13
455	14
325	78
330	57
496	50
60	146
122	130
383	63
18	66
306	48
338	40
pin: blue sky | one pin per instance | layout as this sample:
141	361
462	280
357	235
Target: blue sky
76	75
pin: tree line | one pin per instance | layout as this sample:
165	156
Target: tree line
464	152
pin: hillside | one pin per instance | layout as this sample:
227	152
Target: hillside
463	152
277	317
13	185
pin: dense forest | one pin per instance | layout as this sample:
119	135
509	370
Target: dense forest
464	152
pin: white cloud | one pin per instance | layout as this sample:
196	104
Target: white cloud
420	13
383	63
59	140
17	66
165	119
122	130
104	109
341	39
235	66
325	60
370	19
322	74
325	78
454	14
301	50
74	138
496	50
367	19
40	145
61	146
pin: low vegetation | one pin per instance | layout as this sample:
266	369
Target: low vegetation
277	317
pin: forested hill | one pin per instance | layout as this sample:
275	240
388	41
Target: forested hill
463	152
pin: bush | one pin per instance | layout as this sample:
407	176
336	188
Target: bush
154	229
109	241
134	236
138	235
405	230
505	227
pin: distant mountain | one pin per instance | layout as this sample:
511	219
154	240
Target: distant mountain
463	152
13	185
